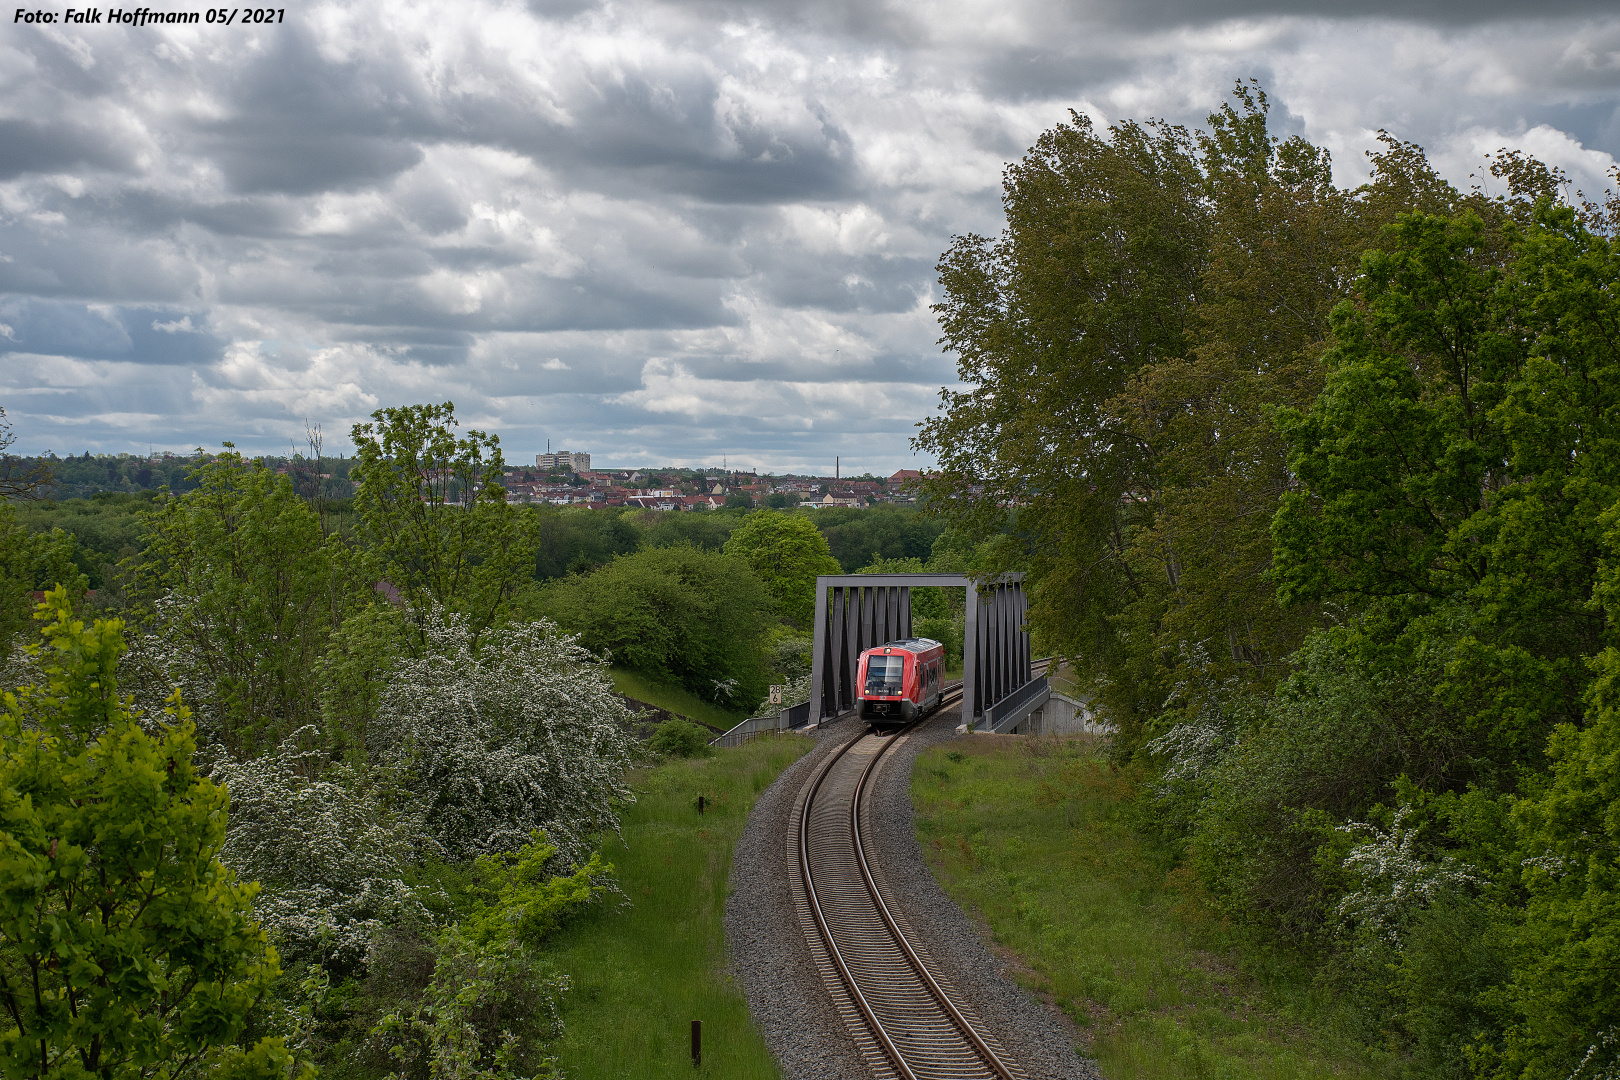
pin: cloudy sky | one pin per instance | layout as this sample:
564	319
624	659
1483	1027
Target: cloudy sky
660	232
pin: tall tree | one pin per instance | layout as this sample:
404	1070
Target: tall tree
1454	471
244	592
1156	295
434	521
1093	278
786	552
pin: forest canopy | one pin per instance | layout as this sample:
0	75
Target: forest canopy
1318	488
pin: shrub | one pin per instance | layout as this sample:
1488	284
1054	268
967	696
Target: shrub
329	857
522	733
696	616
681	738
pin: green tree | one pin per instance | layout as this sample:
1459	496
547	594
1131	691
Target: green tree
1094	277
1283	250
1565	994
570	540
105	529
697	616
705	530
1156	295
31	562
857	537
244	593
786	552
1566	985
126	949
355	671
434	521
1454	471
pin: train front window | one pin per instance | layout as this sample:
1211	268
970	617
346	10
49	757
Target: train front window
884	674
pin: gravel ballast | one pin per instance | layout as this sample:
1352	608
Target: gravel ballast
771	962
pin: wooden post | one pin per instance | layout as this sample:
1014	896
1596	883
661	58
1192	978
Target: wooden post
697	1043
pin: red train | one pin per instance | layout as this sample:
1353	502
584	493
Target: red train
900	681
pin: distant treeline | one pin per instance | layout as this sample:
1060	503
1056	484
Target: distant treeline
92	474
106	529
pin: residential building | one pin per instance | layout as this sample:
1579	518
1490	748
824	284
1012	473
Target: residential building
563	461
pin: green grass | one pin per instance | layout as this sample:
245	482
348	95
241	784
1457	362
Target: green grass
672	696
643	972
1030	833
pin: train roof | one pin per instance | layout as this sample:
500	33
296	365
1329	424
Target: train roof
910	644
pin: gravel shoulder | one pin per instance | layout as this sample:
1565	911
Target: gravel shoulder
771	962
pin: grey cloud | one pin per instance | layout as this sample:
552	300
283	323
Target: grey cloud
301	123
867	283
1159	13
28	146
144	210
635	134
589	303
698	204
422	345
302	164
127	334
900	23
561	9
92	263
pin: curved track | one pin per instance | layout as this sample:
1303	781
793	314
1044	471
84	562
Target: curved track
902	1016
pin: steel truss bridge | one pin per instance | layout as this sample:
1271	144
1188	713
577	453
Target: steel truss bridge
855	612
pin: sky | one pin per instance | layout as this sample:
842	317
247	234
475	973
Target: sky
684	233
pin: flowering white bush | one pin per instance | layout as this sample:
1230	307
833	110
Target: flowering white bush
1395	881
1208	726
1601	1060
522	733
330	859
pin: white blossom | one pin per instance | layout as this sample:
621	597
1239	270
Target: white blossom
794	692
1395	879
1602	1059
1197	743
522	733
329	857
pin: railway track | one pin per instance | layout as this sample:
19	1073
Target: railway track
903	1015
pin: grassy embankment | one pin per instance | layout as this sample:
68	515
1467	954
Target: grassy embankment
675	698
1030	832
641	974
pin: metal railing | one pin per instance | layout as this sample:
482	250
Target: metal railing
782	720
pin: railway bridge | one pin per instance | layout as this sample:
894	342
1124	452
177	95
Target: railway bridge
855	612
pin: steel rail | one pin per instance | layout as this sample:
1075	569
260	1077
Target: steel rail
938	993
913	960
875	1025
